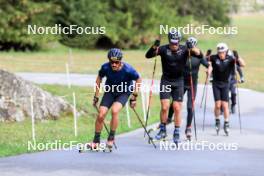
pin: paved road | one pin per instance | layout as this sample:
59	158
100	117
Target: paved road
135	157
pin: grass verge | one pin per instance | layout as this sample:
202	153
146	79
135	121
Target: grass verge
15	136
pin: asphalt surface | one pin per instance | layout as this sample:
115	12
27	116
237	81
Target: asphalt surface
239	154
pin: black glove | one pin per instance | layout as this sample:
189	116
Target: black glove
242	80
133	100
95	100
157	43
209	52
189	44
236	54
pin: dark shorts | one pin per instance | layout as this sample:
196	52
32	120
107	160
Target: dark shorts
109	98
221	91
170	89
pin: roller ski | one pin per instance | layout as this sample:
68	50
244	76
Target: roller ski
109	146
94	147
217	126
226	128
188	133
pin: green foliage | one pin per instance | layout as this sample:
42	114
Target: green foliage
16	15
213	12
128	24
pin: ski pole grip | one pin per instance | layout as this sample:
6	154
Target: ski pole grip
209	52
236	54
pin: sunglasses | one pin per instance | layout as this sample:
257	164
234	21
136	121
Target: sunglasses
114	62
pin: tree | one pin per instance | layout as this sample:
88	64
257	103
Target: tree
128	24
15	16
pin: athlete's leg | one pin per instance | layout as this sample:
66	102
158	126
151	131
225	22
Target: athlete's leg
165	104
217	98
106	103
170	114
224	101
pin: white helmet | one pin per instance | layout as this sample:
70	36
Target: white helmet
192	40
221	47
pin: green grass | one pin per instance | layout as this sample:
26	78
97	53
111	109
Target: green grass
15	136
249	42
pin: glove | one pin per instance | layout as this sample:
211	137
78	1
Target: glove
209	52
235	55
133	100
95	101
157	43
242	80
189	44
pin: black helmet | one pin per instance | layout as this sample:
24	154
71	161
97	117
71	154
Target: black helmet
115	54
174	36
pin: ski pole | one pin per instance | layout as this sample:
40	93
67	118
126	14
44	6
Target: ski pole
201	104
238	106
208	53
150	93
106	129
144	128
205	103
238	102
192	94
151	87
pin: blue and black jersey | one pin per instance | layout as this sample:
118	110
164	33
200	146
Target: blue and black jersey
124	77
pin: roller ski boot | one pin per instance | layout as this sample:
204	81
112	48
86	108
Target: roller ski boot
226	128
233	109
188	133
162	134
176	136
217	126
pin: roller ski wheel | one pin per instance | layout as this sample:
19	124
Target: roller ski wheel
226	128
217	126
